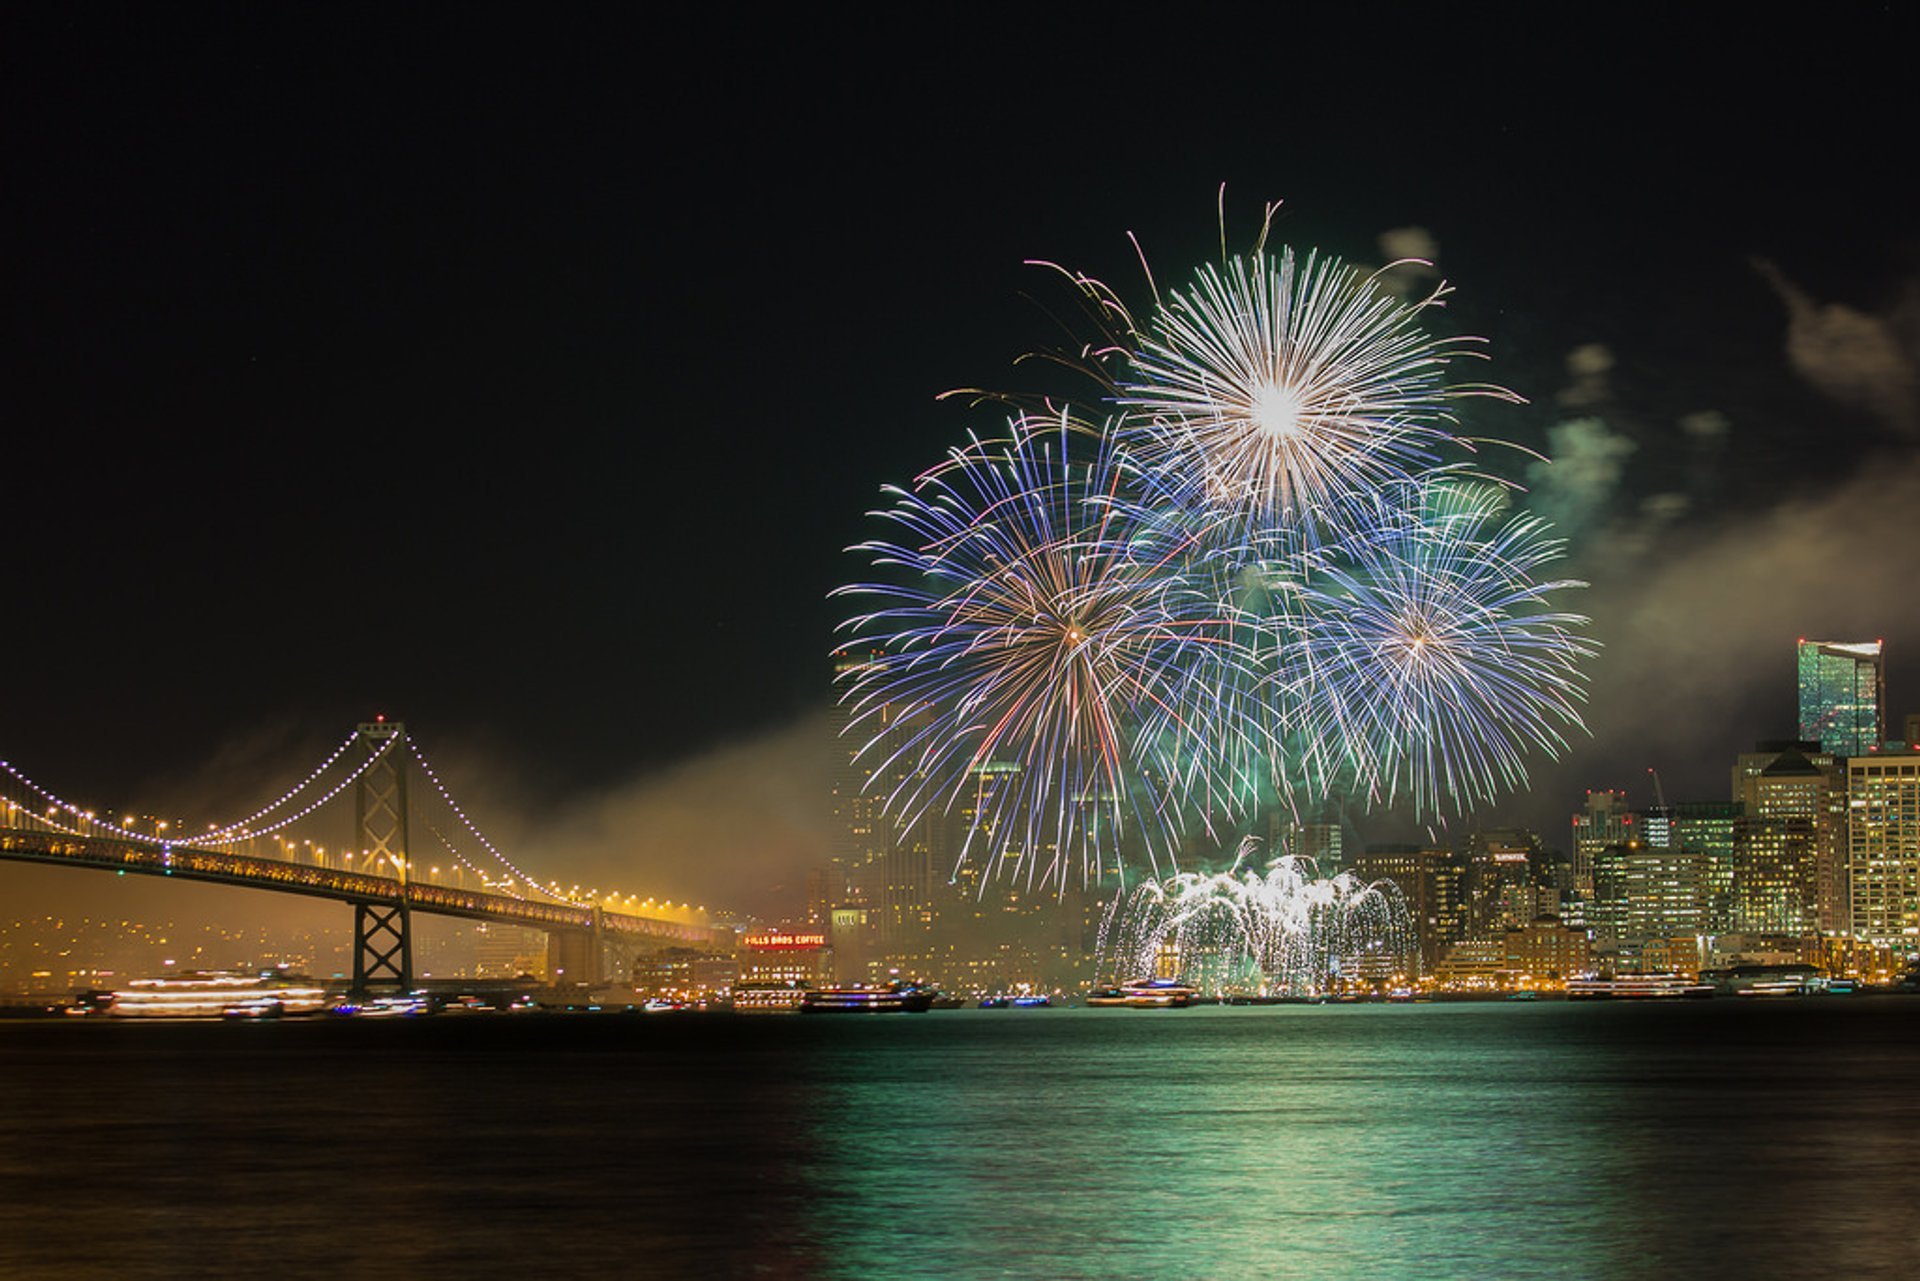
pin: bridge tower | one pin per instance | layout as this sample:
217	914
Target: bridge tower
383	932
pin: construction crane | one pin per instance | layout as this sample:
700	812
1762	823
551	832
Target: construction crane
1659	796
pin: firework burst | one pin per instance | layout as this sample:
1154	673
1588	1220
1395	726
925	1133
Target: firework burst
1048	669
1290	389
1429	656
1260	578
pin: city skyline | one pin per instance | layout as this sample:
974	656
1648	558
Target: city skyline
561	439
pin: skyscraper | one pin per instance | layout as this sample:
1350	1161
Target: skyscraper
1884	850
1787	873
1843	695
882	872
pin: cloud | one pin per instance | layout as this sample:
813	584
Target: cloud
735	829
1706	630
1414	252
1575	488
1709	427
1589	366
1853	358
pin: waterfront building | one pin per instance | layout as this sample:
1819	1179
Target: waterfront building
1843	695
780	955
1883	849
1546	952
1474	965
1678	954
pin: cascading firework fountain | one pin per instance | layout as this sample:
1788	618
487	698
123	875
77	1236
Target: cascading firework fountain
1290	932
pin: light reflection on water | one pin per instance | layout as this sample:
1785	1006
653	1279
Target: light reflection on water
1712	1139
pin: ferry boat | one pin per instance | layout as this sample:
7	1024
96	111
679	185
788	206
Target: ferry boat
1145	994
1767	980
1023	1001
768	998
212	994
1637	987
888	998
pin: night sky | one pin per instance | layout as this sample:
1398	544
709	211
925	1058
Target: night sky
522	373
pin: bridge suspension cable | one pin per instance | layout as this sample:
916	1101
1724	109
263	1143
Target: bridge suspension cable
460	814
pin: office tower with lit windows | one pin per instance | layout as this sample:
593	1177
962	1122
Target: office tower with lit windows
1648	889
1604	820
1429	881
1506	881
1704	830
1883	849
1320	842
1788	873
882	878
1843	695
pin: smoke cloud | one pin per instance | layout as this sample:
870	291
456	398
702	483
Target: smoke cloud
735	830
1855	359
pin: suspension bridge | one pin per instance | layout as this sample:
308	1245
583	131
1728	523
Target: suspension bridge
364	860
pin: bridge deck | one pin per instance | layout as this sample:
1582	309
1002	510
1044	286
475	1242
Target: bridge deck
220	868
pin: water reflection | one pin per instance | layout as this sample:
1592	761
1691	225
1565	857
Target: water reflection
1717	1139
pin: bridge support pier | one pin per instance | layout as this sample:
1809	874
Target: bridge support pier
382	947
573	957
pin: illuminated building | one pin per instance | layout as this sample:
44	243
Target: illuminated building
1546	952
1679	954
1883	849
786	956
1705	829
1843	695
1429	881
1650	886
1320	842
882	876
1605	821
1504	881
503	951
1788	874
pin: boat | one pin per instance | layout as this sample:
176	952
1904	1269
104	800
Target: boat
1637	987
885	998
212	994
1020	1002
767	998
1145	994
1766	980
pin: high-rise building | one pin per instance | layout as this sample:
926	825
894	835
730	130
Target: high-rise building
1317	841
1788	875
1656	883
1428	879
1603	821
1883	849
1705	829
1843	695
1505	881
883	872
